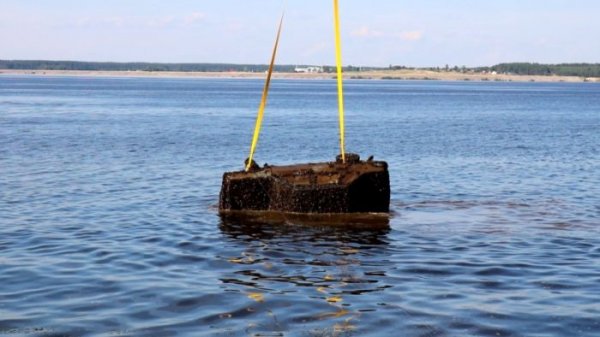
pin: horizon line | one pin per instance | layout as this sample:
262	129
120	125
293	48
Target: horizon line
297	64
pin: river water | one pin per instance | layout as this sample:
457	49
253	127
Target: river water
109	226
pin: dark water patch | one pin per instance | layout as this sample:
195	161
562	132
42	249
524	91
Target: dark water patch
428	271
498	271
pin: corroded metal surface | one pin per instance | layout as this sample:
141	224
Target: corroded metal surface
334	187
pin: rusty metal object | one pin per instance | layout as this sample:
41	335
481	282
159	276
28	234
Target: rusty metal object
320	188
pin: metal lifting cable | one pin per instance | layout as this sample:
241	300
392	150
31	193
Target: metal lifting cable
338	61
263	101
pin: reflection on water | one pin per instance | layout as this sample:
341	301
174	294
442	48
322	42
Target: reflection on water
469	275
352	222
321	269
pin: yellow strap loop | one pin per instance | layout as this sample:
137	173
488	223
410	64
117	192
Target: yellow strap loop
263	101
338	61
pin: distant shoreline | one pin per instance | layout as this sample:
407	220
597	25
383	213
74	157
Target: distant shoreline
404	74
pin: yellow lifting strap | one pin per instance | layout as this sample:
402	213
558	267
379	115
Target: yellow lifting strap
263	101
340	87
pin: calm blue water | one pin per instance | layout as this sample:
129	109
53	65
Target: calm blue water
108	223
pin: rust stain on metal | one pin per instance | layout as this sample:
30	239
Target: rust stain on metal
332	187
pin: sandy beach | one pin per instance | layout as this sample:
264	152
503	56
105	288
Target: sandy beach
375	75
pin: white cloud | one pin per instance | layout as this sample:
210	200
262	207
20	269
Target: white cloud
366	32
117	21
83	21
95	22
414	35
161	22
193	18
156	22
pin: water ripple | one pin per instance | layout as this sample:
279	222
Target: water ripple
108	223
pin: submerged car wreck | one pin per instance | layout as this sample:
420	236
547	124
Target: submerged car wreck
316	188
343	192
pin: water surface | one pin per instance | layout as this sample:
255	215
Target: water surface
108	223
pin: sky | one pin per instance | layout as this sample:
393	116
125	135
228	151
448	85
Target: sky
418	33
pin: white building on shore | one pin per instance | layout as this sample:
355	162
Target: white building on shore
308	69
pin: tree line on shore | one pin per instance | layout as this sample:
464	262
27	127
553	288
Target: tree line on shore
565	69
516	68
524	68
137	66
